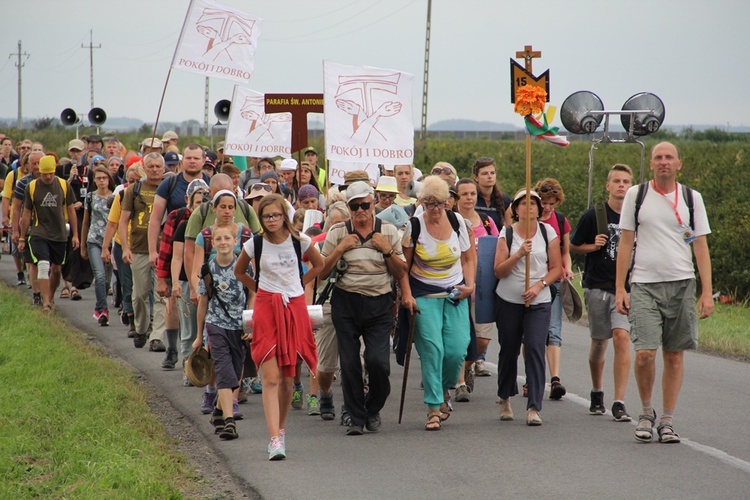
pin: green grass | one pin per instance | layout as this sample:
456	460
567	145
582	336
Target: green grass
74	423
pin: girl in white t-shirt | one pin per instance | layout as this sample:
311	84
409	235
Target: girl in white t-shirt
281	325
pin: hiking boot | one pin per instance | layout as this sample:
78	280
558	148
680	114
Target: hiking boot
469	379
312	405
170	360
556	390
229	431
373	422
276	449
619	414
37	300
597	403
297	397
236	412
346	419
480	370
156	345
327	411
21	279
354	430
104	317
125	318
242	395
256	386
462	394
208	402
139	340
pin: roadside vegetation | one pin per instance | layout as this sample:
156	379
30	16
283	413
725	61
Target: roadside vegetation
74	423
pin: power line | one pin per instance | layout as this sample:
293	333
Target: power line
91	48
20	64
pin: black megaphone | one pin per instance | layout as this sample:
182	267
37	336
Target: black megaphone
221	109
97	116
69	117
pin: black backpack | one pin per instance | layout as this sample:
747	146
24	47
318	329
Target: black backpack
687	193
258	250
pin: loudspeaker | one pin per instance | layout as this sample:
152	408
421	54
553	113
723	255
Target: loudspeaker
69	117
575	112
644	123
221	109
97	116
413	189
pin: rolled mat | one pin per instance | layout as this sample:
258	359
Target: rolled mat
486	281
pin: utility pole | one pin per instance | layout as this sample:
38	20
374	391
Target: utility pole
423	130
19	65
205	111
91	48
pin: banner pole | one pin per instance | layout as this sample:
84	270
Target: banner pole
528	208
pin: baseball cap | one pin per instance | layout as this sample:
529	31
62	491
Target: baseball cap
75	145
310	149
95	138
220	146
288	164
153	143
522	193
169	135
196	185
358	189
171	158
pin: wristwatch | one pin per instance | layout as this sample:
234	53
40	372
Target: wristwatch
544	284
388	254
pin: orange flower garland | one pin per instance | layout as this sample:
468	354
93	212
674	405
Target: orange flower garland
530	100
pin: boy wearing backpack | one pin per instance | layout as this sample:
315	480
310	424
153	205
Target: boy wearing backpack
596	235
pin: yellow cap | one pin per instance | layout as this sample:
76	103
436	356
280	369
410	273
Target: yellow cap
47	164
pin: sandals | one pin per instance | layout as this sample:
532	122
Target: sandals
667	434
47	308
434	419
445	411
75	295
644	432
65	293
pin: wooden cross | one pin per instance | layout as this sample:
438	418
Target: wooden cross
528	54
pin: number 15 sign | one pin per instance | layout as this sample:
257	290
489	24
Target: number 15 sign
522	75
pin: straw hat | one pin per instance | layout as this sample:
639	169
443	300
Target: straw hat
199	367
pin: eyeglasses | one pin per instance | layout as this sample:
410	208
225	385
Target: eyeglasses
387	195
354	206
272	217
434	204
444	171
25	148
260	186
549	189
101	178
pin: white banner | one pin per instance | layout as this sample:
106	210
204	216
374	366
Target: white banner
218	41
337	170
251	132
368	114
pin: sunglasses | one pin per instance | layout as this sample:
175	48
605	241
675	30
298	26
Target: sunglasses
549	189
272	217
260	186
354	206
444	171
25	148
99	164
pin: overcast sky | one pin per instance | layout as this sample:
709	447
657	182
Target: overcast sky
692	54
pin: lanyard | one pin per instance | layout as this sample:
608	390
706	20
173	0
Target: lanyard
675	203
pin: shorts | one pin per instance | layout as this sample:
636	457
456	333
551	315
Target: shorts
52	251
603	315
483	330
328	347
228	353
664	314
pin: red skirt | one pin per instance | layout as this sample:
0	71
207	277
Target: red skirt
282	332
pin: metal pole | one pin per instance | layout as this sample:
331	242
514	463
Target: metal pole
19	65
91	48
423	130
205	109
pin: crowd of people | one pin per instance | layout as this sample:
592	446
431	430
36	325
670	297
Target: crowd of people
180	242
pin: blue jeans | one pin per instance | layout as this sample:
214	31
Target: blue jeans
554	337
126	280
100	275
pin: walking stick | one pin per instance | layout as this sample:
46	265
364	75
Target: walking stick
409	340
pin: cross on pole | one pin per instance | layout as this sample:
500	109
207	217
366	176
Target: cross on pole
528	54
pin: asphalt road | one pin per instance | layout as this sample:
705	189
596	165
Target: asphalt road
573	455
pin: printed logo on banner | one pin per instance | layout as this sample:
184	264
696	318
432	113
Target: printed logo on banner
368	114
252	132
218	41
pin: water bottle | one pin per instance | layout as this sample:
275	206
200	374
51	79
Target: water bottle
453	294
